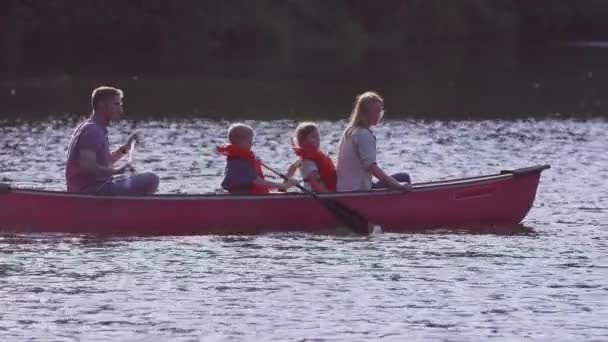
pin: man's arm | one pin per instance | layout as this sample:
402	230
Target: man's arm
119	153
88	163
124	149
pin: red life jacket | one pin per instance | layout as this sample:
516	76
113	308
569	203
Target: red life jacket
233	151
327	170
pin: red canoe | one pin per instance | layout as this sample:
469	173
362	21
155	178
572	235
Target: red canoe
500	199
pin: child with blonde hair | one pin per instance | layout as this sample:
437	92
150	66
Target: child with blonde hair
357	150
243	173
316	168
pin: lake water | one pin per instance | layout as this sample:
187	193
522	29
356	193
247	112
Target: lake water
546	283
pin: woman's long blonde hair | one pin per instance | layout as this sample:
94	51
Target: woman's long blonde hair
358	117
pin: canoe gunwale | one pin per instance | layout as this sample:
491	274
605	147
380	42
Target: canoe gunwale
418	187
526	170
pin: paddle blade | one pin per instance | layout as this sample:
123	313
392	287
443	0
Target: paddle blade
350	217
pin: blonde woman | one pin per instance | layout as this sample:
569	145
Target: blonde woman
357	150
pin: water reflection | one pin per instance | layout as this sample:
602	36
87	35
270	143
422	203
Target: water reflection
500	230
542	279
242	241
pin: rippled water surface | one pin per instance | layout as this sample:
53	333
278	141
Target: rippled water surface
548	282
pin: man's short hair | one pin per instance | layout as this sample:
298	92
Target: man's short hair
103	93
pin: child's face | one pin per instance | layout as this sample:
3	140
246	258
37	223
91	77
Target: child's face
312	140
246	142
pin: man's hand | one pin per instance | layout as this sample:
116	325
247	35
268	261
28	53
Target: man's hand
124	149
125	168
134	137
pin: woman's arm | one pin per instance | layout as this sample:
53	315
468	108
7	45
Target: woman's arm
377	172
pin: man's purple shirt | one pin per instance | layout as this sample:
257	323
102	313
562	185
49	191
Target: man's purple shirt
90	135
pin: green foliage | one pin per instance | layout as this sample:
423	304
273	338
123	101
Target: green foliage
187	34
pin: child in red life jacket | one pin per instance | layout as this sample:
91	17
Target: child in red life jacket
243	173
317	169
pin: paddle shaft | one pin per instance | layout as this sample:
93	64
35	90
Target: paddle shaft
130	153
131	150
297	185
352	218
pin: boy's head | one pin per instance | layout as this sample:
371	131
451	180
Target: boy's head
307	135
241	135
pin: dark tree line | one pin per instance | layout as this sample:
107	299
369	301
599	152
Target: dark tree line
95	35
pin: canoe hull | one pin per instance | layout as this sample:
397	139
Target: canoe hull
502	199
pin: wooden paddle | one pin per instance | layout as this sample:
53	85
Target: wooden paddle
131	150
131	169
350	217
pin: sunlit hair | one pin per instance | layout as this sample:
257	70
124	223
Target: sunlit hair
239	132
303	130
103	93
359	117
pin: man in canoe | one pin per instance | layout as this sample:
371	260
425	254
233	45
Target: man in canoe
90	164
